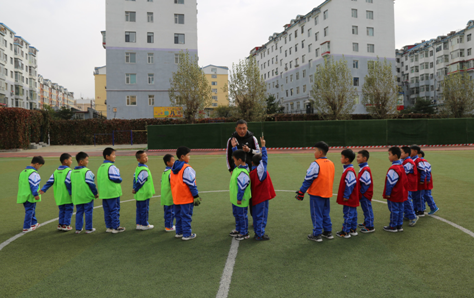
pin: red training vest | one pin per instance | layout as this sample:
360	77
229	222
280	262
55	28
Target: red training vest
399	191
354	197
370	192
261	190
428	185
420	186
412	178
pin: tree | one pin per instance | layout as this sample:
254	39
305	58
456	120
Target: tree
64	113
333	93
422	106
380	90
458	95
247	88
189	87
273	106
224	112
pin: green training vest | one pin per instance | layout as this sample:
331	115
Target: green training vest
107	189
61	195
81	193
148	189
24	191
166	196
234	188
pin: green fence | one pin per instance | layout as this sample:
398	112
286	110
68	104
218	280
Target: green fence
307	133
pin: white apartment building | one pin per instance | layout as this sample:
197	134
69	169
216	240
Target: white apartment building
142	42
18	71
358	30
422	67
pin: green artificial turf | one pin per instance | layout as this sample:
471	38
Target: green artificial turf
432	259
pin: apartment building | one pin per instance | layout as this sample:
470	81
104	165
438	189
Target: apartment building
18	70
142	41
100	79
53	95
218	77
358	30
422	67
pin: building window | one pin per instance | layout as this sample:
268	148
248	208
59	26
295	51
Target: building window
369	1
178	38
150	37
325	14
326	31
130	16
131	100
370	31
178	1
151	79
214	90
356	82
151	100
130	36
214	98
149	17
370	48
130	78
130	57
316	20
151	58
179	18
214	83
355	64
355	30
469	37
355	47
316	36
370	15
317	52
469	52
304	73
354	13
309	32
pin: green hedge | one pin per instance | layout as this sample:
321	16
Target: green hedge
20	127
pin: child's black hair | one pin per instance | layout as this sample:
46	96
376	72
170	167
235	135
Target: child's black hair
182	151
349	154
395	151
64	156
256	159
422	153
81	156
167	158
38	160
107	152
239	154
364	153
323	146
416	148
139	153
406	149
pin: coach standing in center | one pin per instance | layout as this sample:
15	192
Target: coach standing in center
245	140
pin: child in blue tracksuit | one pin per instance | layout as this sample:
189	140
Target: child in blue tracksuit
366	191
143	189
427	197
62	191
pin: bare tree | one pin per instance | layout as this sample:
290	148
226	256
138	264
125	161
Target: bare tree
458	95
247	89
333	93
380	90
189	87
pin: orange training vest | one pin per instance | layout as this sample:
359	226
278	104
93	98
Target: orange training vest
322	186
180	190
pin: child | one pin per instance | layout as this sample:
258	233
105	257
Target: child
28	186
395	190
366	191
412	186
84	192
319	182
143	189
262	192
428	198
61	182
166	197
108	183
185	193
240	194
348	195
418	202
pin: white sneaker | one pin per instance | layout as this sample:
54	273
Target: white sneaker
90	231
190	237
139	227
109	230
118	230
78	231
29	230
170	229
178	236
60	227
34	227
148	227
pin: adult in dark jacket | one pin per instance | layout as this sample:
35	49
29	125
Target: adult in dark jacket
243	139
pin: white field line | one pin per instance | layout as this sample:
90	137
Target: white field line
226	278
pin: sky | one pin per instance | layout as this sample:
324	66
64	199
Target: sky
67	32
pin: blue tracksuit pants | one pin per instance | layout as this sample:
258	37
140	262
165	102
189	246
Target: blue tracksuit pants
80	211
428	198
184	214
366	206
396	214
143	208
418	202
350	219
320	215
30	215
111	213
65	214
169	216
260	217
241	219
408	210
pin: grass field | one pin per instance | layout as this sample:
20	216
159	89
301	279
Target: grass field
432	259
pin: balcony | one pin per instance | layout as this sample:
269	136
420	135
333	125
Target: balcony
3	30
19	64
19	41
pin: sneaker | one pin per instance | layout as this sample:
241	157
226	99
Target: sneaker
433	211
390	229
327	235
234	233
118	230
139	227
178	236
78	231
412	222
170	229
343	234
367	230
242	237
362	225
316	238
420	213
67	228
90	231
400	229
353	232
109	230
148	227
34	227
60	228
27	230
190	237
263	238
